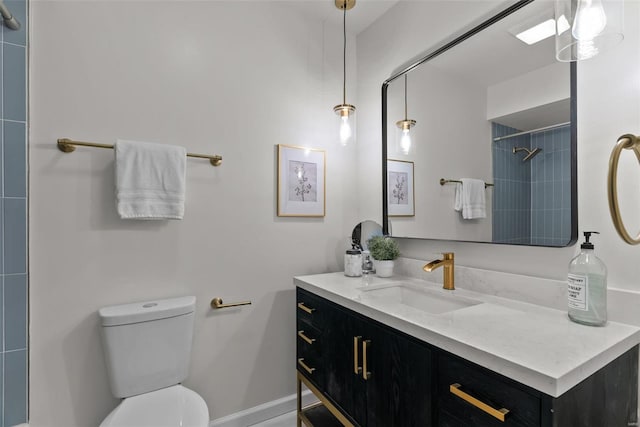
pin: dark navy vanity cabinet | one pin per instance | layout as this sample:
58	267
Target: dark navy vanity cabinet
367	374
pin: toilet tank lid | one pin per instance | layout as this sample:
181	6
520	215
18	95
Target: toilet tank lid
145	311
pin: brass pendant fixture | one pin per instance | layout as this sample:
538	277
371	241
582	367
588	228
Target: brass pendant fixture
405	126
344	110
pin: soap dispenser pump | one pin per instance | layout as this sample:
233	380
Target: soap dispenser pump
587	286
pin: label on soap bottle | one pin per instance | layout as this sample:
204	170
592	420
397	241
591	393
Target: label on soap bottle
578	291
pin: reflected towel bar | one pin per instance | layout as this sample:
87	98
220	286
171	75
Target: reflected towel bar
447	181
68	146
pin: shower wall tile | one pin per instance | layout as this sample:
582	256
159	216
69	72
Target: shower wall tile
1	328
15	311
15	386
15	236
19	10
551	184
14	82
13	220
1	243
512	193
2	387
15	162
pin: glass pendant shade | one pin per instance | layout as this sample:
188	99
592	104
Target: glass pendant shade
404	142
585	28
347	123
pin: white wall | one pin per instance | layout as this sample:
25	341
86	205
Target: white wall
608	106
538	87
226	77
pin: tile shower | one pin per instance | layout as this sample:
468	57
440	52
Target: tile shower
13	221
532	199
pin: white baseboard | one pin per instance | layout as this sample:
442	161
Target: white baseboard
263	412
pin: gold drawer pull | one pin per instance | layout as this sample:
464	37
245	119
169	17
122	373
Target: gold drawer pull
497	413
365	345
356	345
303	307
305	366
306	338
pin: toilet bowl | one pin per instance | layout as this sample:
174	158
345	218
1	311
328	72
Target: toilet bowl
147	348
174	406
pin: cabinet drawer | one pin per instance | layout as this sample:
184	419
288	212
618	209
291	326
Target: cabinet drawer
309	308
308	336
477	395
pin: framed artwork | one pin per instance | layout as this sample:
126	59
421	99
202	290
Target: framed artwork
301	181
400	193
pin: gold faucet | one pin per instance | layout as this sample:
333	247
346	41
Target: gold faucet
447	263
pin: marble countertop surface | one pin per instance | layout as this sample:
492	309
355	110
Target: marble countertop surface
535	345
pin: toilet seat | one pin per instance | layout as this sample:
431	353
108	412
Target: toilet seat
174	406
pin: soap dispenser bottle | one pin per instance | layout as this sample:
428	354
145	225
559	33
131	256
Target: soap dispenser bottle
587	286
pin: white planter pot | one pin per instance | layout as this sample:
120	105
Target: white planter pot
383	268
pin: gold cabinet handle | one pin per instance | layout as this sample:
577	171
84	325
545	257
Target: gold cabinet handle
304	308
356	346
497	413
217	303
306	338
365	373
305	366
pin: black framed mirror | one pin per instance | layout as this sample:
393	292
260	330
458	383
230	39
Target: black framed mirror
488	108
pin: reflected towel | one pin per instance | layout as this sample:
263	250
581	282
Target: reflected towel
150	180
470	198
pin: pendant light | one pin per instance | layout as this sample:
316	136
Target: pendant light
345	111
585	28
404	126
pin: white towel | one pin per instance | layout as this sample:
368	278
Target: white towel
470	199
150	180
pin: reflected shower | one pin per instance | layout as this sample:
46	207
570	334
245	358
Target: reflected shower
530	153
9	20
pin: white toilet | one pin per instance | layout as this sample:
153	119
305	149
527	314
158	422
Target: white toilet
147	349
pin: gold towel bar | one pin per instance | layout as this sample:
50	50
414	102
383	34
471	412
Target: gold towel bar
625	142
67	145
217	303
446	181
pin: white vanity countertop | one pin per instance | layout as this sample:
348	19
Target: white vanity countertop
535	345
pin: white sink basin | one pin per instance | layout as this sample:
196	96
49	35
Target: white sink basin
427	300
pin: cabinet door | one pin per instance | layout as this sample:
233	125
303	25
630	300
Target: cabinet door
398	380
342	360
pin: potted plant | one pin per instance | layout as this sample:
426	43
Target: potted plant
383	250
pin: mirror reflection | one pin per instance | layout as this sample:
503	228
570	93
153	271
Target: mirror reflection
480	140
363	231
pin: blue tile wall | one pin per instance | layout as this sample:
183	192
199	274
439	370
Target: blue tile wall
531	203
14	295
512	188
551	176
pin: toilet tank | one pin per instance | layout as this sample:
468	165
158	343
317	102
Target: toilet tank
147	345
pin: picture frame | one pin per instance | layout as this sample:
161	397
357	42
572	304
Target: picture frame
301	181
400	188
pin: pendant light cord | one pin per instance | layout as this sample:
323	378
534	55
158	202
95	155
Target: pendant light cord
405	97
344	53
